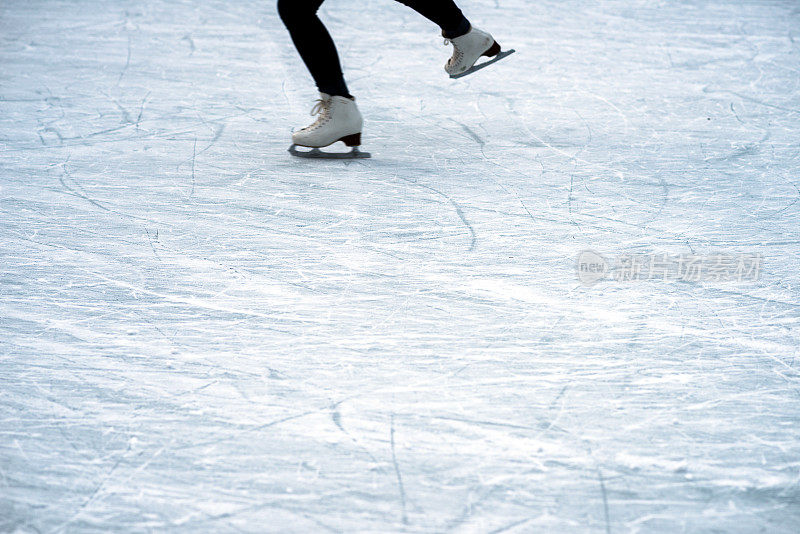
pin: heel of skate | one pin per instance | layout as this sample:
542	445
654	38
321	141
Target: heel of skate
493	50
352	140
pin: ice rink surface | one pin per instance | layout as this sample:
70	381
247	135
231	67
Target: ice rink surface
199	333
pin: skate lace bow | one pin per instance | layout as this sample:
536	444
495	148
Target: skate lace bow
321	107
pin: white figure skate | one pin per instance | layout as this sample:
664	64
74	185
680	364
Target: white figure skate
469	48
338	120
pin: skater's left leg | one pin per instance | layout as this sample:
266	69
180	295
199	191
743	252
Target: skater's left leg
444	13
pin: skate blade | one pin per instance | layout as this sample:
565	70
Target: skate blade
501	55
316	153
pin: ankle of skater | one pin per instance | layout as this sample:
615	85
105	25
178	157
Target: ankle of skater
338	88
461	28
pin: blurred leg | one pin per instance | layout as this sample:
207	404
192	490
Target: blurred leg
444	13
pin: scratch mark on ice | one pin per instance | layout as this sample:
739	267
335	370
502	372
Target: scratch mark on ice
397	472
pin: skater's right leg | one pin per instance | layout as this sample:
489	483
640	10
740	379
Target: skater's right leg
314	44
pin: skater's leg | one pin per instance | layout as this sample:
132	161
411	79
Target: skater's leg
314	44
444	13
338	116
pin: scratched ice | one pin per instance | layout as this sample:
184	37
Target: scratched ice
199	333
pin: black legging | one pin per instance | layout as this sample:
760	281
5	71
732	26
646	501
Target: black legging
318	51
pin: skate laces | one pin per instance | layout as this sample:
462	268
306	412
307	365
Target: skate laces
457	53
321	108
